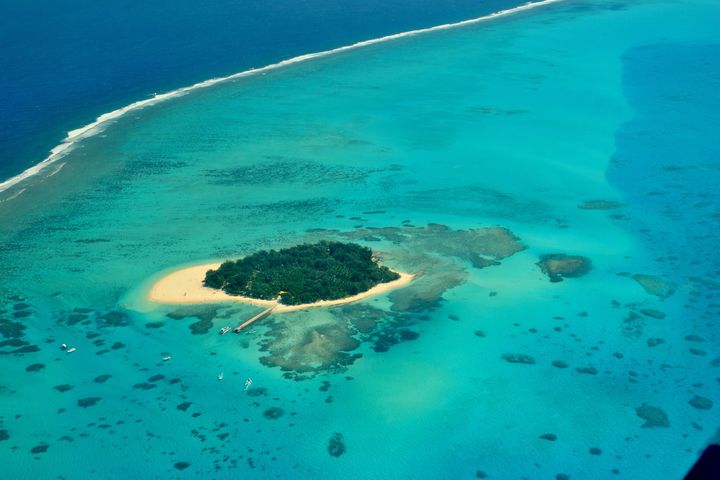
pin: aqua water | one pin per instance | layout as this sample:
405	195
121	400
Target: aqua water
414	147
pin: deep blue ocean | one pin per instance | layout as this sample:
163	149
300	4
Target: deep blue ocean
65	63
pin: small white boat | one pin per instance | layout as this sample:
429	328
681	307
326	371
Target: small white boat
71	349
248	382
224	330
166	358
221	376
63	346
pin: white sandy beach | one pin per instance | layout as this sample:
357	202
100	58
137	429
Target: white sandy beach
185	286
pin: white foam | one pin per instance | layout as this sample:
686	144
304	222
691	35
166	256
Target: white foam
103	120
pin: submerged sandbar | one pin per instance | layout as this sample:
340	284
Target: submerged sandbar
185	286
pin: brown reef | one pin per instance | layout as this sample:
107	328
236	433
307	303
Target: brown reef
558	266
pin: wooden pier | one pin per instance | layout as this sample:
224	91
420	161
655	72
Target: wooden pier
254	319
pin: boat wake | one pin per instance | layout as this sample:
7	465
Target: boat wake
74	136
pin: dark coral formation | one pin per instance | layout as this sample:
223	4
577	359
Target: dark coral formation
283	170
655	417
115	318
88	402
600	205
383	329
361	316
273	413
587	370
42	448
653	313
203	313
10	329
701	403
256	392
633	325
23	347
307	349
558	266
481	246
518	358
336	445
75	318
144	386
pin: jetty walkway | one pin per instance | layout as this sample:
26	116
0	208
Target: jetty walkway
257	317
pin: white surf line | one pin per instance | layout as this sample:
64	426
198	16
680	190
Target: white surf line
95	127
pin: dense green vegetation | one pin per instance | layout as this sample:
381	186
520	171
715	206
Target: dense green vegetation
308	273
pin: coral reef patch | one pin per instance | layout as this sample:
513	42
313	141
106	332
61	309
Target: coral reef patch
655	285
336	445
558	266
655	417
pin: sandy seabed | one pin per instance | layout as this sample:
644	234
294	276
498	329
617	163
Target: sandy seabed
185	286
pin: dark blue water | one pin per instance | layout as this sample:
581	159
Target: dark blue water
666	164
64	63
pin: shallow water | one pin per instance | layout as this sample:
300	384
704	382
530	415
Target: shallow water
414	147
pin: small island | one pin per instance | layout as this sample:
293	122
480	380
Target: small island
302	274
326	273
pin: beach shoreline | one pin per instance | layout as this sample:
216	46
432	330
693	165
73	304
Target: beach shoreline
185	287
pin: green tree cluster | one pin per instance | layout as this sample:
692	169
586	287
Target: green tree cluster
308	273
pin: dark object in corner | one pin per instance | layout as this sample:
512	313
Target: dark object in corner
708	465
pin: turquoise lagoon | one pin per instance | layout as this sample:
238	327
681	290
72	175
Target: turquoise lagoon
414	147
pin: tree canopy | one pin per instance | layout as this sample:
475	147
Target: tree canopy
308	273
